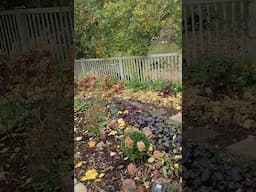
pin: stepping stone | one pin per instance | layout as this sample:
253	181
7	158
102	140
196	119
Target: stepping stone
80	187
200	134
177	118
245	148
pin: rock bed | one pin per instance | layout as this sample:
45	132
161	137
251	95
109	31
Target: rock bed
204	169
166	137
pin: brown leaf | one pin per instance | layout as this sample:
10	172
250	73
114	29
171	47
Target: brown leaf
132	169
158	154
128	142
141	146
128	184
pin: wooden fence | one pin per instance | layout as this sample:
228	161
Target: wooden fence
152	67
24	29
214	27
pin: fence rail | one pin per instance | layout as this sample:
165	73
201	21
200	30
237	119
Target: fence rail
152	67
23	29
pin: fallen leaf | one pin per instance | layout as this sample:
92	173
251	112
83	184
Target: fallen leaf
147	131
113	124
128	142
151	159
150	149
125	112
113	132
158	154
78	138
79	164
112	154
98	180
128	184
92	143
130	129
101	175
100	145
141	146
90	175
132	169
121	122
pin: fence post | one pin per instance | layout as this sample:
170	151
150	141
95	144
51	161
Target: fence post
81	62
121	67
21	29
180	67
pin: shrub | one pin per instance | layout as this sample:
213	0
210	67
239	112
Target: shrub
135	145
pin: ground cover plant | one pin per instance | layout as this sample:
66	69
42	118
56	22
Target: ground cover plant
219	97
30	96
136	142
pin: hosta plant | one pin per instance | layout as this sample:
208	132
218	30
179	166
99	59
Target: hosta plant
135	145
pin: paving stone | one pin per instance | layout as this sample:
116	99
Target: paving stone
245	148
75	181
199	134
80	187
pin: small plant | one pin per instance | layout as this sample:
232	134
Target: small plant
80	105
96	117
135	145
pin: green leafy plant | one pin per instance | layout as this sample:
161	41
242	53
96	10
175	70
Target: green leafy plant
135	85
135	145
113	110
80	105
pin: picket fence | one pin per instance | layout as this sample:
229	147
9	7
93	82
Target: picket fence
214	27
24	29
152	67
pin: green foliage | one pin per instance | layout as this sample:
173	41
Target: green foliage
132	152
209	70
96	117
113	110
124	27
176	87
80	105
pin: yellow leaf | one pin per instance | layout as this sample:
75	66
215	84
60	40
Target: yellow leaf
176	165
113	132
79	164
90	175
125	112
101	175
92	143
121	122
150	149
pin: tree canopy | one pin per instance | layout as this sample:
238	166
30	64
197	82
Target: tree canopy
106	28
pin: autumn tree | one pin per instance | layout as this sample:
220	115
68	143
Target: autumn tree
121	27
